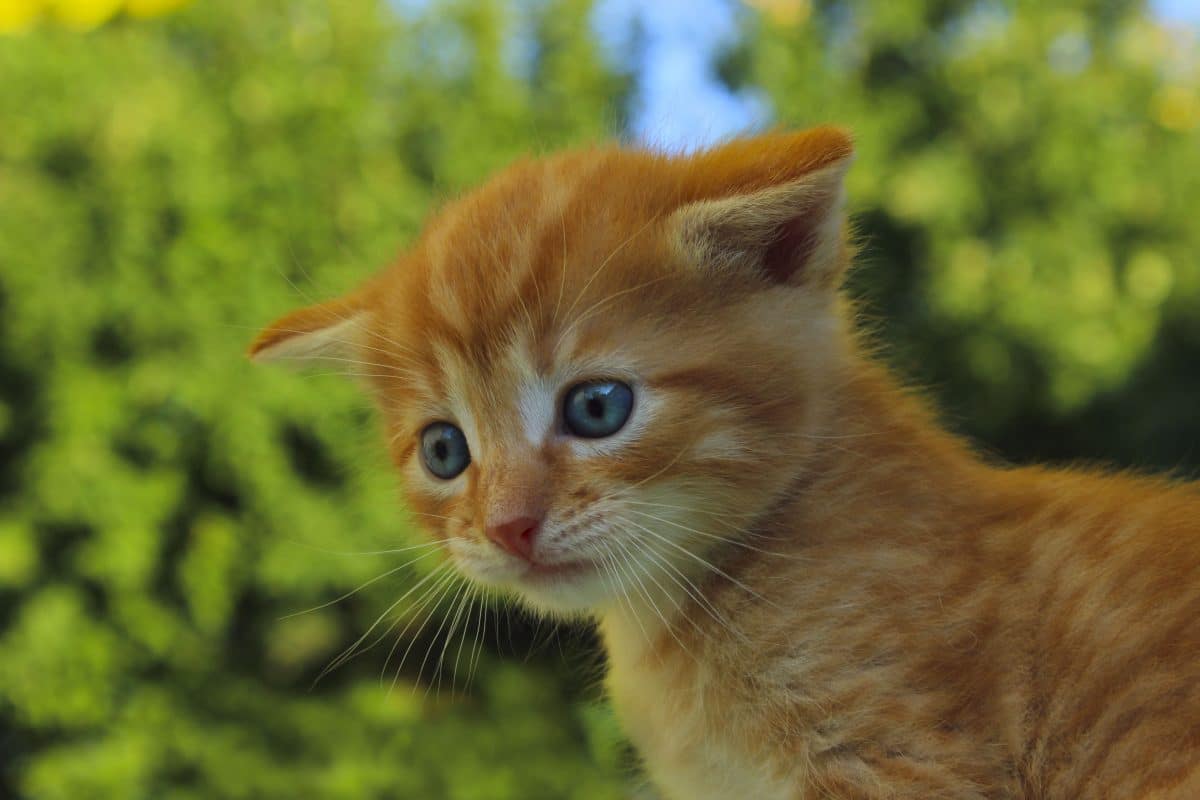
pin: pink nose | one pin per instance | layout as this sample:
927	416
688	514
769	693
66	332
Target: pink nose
516	536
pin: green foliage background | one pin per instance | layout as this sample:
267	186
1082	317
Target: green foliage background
1026	189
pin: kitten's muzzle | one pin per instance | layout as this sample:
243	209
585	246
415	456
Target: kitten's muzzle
516	536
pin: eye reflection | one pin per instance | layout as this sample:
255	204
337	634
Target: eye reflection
444	450
596	409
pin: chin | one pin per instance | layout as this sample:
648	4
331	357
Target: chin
572	595
558	592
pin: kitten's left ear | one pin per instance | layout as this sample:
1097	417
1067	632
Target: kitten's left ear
790	233
333	330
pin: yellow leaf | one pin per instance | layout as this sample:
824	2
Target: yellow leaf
84	15
784	12
1177	108
18	16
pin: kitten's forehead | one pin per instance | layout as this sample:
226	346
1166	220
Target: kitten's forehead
482	252
539	246
478	253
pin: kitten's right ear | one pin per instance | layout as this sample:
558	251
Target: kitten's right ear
333	330
779	211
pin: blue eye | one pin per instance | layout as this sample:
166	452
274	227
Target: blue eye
444	449
597	409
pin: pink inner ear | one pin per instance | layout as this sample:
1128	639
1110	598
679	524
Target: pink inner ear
793	247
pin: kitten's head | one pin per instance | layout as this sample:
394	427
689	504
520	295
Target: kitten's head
601	366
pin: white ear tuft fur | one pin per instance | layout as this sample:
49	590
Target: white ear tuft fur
339	340
333	330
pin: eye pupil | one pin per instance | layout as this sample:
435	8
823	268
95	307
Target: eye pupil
596	409
444	450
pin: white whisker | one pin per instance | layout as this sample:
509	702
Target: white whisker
687	585
352	651
391	551
732	541
670	628
355	591
429	650
430	602
706	564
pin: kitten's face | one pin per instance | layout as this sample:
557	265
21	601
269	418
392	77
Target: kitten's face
587	392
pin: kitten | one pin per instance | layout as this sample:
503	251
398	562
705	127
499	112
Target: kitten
625	384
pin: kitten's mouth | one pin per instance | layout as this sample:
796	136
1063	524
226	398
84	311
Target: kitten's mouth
537	571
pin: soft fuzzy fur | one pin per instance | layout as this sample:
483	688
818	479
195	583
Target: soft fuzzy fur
806	588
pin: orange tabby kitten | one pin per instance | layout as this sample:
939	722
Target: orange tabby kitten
625	384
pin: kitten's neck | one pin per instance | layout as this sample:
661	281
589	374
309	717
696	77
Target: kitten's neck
881	442
883	469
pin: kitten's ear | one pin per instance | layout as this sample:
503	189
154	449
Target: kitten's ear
333	330
791	231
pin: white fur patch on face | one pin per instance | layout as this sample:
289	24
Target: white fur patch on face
721	444
535	396
537	407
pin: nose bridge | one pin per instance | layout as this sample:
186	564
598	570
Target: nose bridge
517	485
515	479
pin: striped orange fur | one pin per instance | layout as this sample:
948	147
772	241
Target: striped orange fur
806	588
